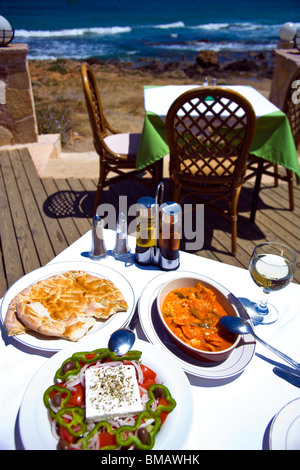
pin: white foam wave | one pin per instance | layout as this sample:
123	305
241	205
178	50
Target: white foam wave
177	24
211	26
217	46
74	32
242	26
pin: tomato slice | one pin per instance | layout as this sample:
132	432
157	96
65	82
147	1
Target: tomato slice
106	439
66	435
77	397
163	415
147	383
148	373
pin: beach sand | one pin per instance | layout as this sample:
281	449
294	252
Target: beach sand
57	85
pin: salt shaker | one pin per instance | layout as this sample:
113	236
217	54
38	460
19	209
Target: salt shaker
145	230
169	235
121	250
98	250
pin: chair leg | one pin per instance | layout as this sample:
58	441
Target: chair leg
276	179
256	189
233	235
175	190
100	184
159	171
97	198
234	218
290	180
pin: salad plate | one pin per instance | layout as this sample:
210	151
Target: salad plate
156	333
52	344
34	425
285	427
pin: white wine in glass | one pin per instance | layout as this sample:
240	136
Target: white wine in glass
272	268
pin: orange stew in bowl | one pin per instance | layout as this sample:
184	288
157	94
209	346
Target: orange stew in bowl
192	314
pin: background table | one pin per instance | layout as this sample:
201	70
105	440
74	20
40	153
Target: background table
230	413
273	140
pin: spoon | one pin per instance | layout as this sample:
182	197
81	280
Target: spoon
242	327
122	340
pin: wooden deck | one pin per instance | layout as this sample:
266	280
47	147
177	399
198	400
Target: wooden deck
41	217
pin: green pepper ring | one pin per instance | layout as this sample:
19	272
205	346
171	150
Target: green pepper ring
166	394
133	438
78	416
63	390
101	424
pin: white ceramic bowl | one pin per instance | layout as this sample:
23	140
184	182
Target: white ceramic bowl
226	299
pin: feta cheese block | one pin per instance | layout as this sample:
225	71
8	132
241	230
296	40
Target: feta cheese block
111	391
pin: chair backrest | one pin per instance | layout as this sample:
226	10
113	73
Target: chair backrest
210	130
98	122
291	106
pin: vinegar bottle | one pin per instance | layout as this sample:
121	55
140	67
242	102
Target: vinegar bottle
170	235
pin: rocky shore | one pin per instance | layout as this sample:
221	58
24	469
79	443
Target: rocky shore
59	99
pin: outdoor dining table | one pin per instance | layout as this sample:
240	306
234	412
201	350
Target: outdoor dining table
233	409
273	140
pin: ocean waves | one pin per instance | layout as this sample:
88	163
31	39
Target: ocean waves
210	28
170	40
74	32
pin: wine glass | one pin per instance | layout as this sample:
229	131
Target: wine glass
272	268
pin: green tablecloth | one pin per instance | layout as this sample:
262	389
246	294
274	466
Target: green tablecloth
273	141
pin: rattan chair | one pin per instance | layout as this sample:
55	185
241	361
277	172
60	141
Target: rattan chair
258	167
210	130
117	151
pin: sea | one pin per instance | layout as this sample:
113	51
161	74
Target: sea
131	30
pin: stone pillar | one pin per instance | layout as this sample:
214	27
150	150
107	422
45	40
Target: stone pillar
287	61
17	112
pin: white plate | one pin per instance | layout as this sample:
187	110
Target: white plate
34	425
285	428
56	344
156	334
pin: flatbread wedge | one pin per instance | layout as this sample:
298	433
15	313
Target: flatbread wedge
64	305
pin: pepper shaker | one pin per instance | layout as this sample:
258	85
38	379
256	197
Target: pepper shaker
98	250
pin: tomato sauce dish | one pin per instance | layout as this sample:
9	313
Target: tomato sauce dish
190	308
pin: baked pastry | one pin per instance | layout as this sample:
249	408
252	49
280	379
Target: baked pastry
65	305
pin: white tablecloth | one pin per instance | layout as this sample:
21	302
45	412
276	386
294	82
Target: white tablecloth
158	99
230	413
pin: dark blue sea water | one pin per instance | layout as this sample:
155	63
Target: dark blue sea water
132	29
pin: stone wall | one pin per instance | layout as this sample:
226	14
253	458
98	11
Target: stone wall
17	112
287	62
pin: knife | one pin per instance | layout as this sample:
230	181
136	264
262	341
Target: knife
294	379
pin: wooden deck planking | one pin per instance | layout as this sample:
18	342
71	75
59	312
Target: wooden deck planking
41	217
